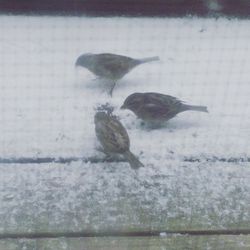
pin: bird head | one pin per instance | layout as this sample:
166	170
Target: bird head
101	116
133	101
83	60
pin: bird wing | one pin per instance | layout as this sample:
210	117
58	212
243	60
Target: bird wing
163	100
154	111
159	107
112	66
119	133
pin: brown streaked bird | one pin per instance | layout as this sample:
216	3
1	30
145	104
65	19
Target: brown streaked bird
111	67
114	138
157	108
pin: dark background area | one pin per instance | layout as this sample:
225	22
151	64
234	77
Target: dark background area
231	8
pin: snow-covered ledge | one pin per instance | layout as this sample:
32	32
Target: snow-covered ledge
84	197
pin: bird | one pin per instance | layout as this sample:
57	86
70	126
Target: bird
114	138
109	66
156	108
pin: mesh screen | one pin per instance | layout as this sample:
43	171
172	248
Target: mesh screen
48	105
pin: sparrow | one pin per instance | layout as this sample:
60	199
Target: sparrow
156	107
114	137
110	67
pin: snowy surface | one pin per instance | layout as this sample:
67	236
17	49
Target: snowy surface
47	106
47	109
107	197
173	242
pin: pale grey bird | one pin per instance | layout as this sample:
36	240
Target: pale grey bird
114	138
157	108
111	67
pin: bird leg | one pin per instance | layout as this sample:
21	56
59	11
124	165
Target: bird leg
112	88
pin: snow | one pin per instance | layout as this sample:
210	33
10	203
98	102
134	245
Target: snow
47	106
110	197
47	110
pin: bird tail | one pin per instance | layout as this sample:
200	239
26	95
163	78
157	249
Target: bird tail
149	59
133	161
196	108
